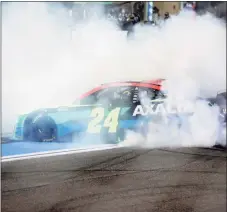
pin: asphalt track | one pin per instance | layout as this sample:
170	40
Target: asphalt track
118	180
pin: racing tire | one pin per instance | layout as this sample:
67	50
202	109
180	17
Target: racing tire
44	129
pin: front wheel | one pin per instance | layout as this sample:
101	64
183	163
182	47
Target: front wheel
44	129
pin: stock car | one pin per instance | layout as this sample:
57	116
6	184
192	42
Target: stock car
106	112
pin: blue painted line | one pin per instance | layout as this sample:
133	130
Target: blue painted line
14	148
26	147
11	147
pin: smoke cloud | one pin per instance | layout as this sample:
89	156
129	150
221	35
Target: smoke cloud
45	64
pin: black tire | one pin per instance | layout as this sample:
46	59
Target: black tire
44	129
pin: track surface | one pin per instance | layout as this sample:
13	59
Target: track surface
118	180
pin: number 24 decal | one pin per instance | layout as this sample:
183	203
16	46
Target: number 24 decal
111	121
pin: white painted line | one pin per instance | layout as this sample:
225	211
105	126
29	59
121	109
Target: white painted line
55	153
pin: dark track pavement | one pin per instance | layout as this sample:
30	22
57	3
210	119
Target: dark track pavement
118	180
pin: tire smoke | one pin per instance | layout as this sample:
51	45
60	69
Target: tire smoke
45	64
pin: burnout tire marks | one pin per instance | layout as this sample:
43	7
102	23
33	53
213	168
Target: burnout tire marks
124	182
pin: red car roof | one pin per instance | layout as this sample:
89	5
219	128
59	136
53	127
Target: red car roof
155	81
154	84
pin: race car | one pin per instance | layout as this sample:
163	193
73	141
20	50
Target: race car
104	112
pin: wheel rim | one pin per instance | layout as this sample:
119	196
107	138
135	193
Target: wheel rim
45	130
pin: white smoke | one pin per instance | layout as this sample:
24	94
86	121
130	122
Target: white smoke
43	67
190	55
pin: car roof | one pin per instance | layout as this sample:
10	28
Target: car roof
154	84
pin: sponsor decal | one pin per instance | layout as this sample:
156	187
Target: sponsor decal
156	107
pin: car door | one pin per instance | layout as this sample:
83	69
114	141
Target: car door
105	119
114	103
